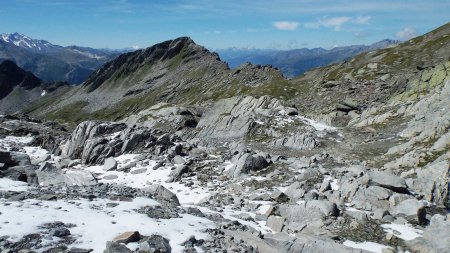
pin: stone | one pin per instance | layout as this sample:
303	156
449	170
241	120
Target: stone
115	247
434	237
110	164
275	223
411	209
155	243
279	197
177	173
127	237
248	163
386	180
162	194
326	207
59	232
179	160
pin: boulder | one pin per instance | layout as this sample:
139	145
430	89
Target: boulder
110	164
434	238
155	243
162	194
115	247
275	223
176	174
127	237
411	209
325	207
248	163
386	180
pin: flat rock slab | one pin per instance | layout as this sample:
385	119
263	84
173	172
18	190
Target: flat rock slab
127	237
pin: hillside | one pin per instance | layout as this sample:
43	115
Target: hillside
50	62
19	88
177	71
169	149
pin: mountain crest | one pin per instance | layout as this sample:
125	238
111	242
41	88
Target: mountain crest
24	41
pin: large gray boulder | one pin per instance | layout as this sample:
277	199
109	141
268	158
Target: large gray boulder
386	180
115	247
432	182
434	238
85	131
248	163
48	174
234	118
411	209
162	194
155	243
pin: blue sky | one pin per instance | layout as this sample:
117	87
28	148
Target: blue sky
281	24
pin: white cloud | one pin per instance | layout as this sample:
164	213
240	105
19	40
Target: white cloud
286	25
406	33
136	47
335	22
362	20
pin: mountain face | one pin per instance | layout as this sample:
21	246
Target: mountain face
296	62
350	157
19	88
175	71
50	62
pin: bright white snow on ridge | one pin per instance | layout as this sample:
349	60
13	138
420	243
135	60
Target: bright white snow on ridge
94	221
369	246
317	125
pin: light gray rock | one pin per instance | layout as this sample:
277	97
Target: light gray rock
386	180
434	238
110	164
324	206
411	209
177	173
275	223
432	182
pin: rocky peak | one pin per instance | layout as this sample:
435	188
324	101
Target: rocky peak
26	42
11	75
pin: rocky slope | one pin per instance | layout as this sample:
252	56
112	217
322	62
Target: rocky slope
19	88
177	71
352	157
53	63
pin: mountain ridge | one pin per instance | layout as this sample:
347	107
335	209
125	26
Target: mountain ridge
294	62
52	62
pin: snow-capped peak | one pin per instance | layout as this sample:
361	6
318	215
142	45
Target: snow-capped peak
24	41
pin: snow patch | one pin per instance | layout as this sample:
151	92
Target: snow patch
96	223
369	246
7	184
405	232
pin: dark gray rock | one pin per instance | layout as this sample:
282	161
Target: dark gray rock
155	243
59	232
115	247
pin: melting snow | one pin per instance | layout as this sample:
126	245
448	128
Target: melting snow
96	222
405	232
369	246
186	195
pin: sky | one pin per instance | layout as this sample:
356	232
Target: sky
274	24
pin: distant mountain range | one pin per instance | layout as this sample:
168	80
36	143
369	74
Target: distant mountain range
297	61
50	62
